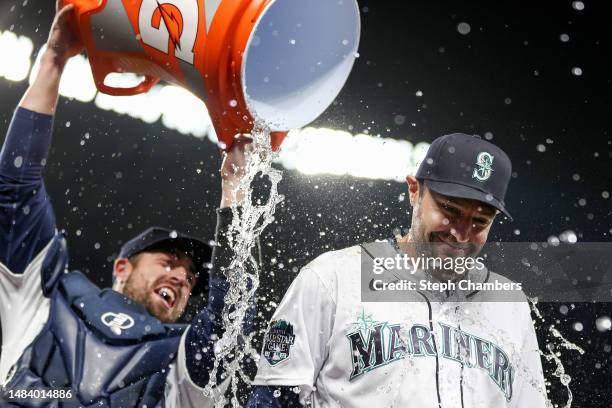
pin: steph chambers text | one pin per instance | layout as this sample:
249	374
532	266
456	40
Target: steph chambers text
427	285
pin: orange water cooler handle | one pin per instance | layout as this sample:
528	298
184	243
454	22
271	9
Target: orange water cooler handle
102	66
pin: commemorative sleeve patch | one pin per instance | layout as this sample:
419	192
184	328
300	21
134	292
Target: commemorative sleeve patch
278	341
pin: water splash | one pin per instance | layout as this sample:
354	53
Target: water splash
554	353
243	272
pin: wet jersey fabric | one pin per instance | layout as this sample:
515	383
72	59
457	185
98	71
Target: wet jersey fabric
425	352
59	331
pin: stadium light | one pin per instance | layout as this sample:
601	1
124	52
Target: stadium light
328	151
16	52
77	81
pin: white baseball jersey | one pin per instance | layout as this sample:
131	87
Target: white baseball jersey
343	352
23	313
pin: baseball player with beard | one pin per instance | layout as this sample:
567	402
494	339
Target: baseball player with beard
330	345
67	343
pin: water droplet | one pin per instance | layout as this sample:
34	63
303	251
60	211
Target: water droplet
173	234
578	326
564	37
97	245
508	101
488	135
464	28
18	162
233	103
578	5
568	236
419	93
577	71
605	194
345	42
541	148
68	124
399	120
292	42
603	323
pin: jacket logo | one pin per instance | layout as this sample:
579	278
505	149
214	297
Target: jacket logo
278	341
484	161
117	321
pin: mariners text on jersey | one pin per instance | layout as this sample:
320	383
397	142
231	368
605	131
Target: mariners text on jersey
376	345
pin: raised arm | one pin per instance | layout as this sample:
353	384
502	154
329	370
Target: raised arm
62	44
27	222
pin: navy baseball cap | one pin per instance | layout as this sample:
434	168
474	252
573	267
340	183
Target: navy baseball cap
466	166
158	237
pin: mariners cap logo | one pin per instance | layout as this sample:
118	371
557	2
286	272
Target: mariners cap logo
117	321
484	161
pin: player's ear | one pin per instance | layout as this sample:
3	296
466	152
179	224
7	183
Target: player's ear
413	189
122	269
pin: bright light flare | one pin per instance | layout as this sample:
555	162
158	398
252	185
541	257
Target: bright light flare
16	52
327	151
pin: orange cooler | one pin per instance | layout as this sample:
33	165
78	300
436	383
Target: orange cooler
281	62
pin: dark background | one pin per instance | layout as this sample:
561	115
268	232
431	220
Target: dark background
511	76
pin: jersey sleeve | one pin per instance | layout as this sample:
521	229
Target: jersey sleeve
27	221
529	388
296	343
24	308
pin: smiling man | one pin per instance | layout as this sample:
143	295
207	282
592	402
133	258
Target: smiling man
67	343
336	341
